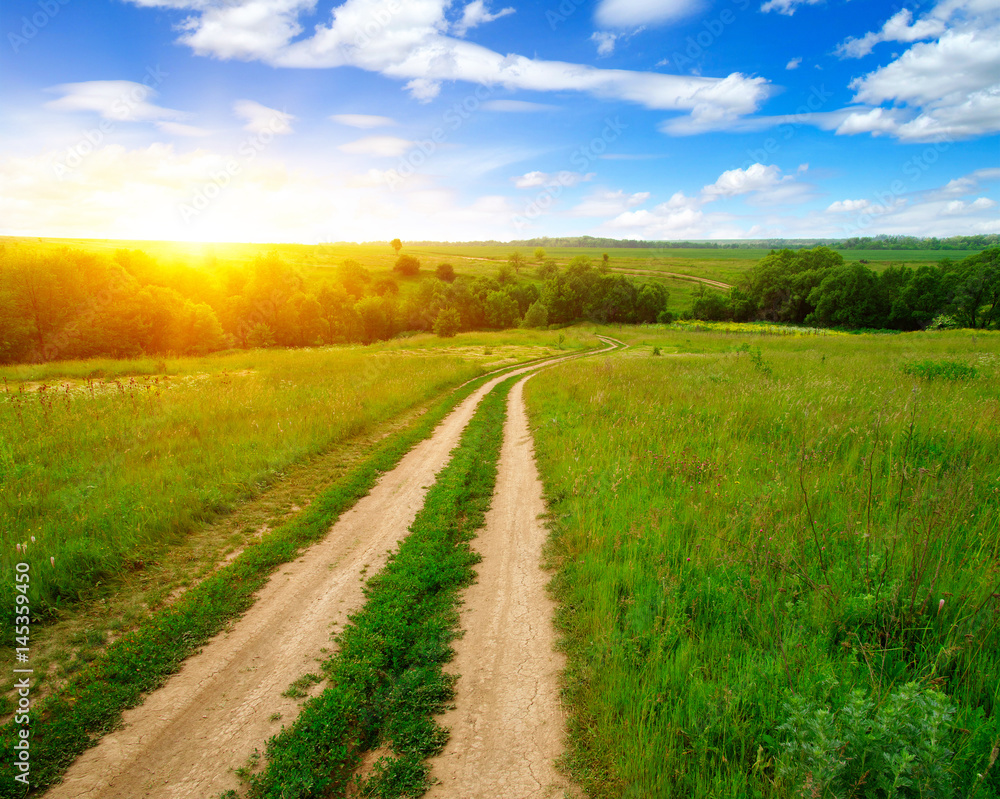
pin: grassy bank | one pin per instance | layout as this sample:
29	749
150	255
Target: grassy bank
779	563
386	680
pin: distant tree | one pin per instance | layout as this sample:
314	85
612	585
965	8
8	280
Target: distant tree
447	323
651	302
396	244
505	275
516	260
407	265
539	255
710	306
537	315
446	272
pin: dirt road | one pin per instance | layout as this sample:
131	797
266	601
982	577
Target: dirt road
189	736
507	726
625	270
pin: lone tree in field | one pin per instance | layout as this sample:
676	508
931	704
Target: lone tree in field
516	260
446	272
539	255
396	244
407	265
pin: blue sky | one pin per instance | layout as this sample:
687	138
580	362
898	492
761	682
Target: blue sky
311	121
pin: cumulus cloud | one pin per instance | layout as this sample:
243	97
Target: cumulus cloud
795	63
407	42
364	121
943	89
476	14
259	118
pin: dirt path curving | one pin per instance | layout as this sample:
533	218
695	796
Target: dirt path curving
189	736
507	726
627	270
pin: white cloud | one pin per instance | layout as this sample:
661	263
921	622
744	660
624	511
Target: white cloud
259	118
405	41
944	89
786	7
629	13
604	203
517	106
794	63
566	179
378	146
364	121
423	89
898	28
967	184
743	181
605	41
117	100
475	14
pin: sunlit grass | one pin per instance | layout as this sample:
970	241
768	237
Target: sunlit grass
774	520
99	474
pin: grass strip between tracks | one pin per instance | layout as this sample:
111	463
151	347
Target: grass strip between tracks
68	722
386	681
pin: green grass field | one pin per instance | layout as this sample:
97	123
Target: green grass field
778	563
104	464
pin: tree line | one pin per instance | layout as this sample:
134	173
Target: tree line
66	303
816	287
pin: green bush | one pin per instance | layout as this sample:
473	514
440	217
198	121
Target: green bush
940	370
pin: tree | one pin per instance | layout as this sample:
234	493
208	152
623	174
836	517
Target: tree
407	265
445	272
548	269
501	310
651	302
447	323
516	260
397	245
537	315
539	255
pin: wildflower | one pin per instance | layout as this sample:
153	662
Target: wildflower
32	539
940	606
18	547
52	560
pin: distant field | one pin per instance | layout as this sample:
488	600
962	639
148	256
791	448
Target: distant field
723	265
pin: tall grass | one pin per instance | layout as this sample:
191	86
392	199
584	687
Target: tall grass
99	475
779	565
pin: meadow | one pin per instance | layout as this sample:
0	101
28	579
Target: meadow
106	464
778	562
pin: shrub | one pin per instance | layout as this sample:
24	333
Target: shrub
407	265
446	272
943	370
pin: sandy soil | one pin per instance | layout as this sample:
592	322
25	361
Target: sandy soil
507	725
627	270
189	736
